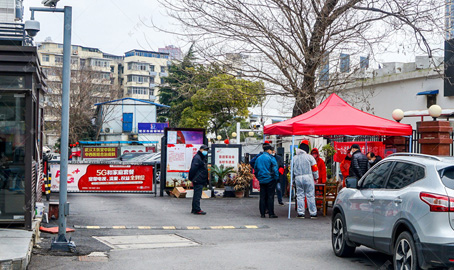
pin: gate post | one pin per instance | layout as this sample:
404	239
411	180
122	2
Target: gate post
435	137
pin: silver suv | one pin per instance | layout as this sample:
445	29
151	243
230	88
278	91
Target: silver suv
404	207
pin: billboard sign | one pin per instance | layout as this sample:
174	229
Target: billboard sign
104	177
152	127
99	152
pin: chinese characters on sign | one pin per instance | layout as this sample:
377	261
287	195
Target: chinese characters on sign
229	157
226	159
98	177
152	127
100	152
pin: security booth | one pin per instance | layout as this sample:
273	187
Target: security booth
22	90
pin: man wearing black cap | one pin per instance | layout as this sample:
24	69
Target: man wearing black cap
358	167
198	174
267	173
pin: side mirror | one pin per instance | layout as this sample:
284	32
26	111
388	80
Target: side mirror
351	183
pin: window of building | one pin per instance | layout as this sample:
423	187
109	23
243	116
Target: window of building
60	46
138	79
162	81
74	60
152	68
82	62
99	63
163	69
45	58
138	90
58	59
152	79
404	174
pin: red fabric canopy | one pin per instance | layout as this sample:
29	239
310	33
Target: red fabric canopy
335	117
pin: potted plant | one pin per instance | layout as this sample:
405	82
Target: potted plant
221	172
242	180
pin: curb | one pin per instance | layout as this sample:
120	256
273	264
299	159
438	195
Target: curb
21	263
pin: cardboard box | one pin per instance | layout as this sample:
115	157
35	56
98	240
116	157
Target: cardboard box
179	192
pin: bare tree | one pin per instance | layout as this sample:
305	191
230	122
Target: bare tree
287	41
88	87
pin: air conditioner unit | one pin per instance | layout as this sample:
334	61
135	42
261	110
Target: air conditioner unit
75	52
108	130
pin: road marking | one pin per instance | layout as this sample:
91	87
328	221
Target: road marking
228	227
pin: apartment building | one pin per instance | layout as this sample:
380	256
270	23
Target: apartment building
143	73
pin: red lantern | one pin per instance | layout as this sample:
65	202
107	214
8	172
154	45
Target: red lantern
226	141
77	143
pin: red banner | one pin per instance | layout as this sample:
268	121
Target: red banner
100	152
103	177
342	147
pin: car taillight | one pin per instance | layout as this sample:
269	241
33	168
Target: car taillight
438	203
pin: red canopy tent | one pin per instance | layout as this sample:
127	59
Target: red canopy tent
336	117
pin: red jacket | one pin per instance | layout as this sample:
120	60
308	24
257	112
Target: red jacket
321	166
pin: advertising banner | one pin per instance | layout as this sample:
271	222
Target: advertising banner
133	149
342	147
100	152
104	177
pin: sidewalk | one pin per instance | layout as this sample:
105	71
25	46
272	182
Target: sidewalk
16	247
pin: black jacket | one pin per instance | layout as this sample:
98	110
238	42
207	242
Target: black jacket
377	159
198	173
359	165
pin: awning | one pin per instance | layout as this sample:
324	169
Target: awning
430	92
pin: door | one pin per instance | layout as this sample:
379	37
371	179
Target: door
390	200
362	203
127	122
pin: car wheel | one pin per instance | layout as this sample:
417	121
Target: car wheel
339	238
404	255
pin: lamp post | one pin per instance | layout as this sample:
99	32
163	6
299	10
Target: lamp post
61	243
398	115
435	111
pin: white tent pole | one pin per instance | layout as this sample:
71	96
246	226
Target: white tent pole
291	177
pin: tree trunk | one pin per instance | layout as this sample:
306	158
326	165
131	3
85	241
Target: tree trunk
305	97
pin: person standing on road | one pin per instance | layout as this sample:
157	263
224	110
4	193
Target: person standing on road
320	165
266	170
280	185
358	166
305	172
373	159
198	175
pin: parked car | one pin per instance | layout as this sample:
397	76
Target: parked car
404	207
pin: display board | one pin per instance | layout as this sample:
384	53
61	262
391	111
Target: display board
104	177
181	146
227	156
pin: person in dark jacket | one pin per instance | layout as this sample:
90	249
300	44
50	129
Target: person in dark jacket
358	167
373	159
198	174
281	183
267	173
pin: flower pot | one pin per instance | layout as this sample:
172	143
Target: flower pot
239	194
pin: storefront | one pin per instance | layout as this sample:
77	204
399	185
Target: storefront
21	99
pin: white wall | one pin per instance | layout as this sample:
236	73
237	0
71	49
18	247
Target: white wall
381	95
142	113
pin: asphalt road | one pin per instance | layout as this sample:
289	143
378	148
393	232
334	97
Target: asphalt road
231	236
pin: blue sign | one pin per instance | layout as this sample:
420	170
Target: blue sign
152	127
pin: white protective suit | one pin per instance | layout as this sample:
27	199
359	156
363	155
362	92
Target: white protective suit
304	172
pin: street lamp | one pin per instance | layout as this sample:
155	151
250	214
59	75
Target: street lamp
435	111
61	243
219	137
398	115
234	134
251	133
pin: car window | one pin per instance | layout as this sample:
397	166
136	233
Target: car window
403	174
377	176
448	177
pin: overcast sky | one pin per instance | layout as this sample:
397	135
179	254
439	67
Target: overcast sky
117	26
114	26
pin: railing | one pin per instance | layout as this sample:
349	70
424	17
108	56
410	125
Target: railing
12	32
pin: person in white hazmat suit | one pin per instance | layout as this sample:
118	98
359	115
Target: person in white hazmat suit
305	172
